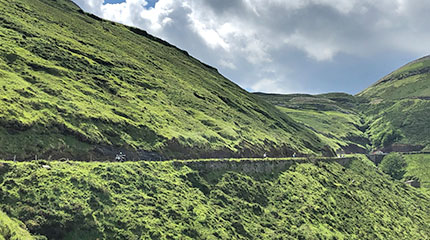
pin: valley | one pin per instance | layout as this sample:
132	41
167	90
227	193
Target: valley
108	132
334	117
390	115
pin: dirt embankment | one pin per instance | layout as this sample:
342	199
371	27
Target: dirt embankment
255	166
397	147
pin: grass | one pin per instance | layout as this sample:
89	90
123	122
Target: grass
13	229
337	129
417	166
407	117
399	106
72	84
408	81
392	112
75	86
333	117
163	200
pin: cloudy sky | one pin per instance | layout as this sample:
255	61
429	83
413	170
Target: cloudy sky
286	46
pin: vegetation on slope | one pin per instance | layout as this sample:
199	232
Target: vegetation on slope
418	166
333	116
394	165
398	108
168	200
12	229
73	85
408	81
391	115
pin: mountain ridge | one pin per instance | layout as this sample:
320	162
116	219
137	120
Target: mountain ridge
391	76
398	106
76	86
391	113
335	117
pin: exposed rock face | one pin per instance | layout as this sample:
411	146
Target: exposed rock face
397	147
353	148
255	166
413	183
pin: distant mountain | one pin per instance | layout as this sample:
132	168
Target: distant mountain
75	86
398	111
333	116
409	81
391	115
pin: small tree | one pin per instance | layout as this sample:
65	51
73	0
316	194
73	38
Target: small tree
394	165
391	137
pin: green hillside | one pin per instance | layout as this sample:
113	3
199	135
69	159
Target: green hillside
76	86
333	116
418	166
391	115
408	81
12	229
170	200
398	108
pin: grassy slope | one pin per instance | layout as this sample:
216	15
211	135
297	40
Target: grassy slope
144	200
332	116
418	166
70	81
399	106
393	112
12	229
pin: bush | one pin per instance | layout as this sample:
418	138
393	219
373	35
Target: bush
391	137
394	165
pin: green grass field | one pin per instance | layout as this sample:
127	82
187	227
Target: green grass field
75	86
409	81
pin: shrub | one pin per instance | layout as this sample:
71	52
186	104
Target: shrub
394	165
391	137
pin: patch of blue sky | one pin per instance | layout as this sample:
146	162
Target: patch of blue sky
151	3
113	1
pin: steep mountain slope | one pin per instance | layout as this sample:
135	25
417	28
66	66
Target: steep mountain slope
75	86
170	200
333	116
398	108
418	166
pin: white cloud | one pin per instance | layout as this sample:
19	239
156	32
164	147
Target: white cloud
320	51
227	64
245	37
93	6
267	85
210	35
